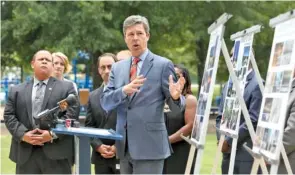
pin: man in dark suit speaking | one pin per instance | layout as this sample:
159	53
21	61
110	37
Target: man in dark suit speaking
37	151
103	150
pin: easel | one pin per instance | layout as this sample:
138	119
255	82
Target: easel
275	163
199	144
249	31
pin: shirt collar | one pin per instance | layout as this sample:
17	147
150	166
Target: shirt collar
143	55
36	81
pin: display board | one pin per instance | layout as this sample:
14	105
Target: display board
276	93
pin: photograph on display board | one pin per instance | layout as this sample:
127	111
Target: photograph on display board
283	53
287	76
232	121
237	103
231	92
259	135
277	54
267	109
206	81
212	54
271	110
287	53
246	56
278	82
197	127
211	57
275	110
235	53
194	131
232	111
269	142
271	124
202	104
227	113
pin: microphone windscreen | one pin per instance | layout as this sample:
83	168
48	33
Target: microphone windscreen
71	99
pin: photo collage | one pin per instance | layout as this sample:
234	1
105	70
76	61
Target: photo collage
267	141
232	109
271	110
276	93
278	81
206	84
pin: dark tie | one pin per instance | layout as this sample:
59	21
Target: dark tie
133	69
38	100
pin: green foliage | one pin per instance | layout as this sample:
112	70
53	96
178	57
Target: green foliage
178	29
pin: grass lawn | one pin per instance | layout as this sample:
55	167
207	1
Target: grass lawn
8	167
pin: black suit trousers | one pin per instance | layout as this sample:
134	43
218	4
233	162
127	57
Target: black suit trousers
39	163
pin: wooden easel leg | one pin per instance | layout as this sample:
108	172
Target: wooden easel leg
190	160
218	152
286	160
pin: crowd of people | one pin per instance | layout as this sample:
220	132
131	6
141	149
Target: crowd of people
137	85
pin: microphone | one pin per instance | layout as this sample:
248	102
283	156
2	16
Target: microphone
63	105
46	118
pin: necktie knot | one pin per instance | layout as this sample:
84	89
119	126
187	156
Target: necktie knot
135	60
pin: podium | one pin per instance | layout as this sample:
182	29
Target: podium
82	143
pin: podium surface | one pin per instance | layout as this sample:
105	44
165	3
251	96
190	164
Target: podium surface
89	132
82	143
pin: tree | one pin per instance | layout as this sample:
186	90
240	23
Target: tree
178	29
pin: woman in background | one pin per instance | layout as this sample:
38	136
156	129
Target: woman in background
61	66
181	122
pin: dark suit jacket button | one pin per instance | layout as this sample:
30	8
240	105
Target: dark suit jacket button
129	107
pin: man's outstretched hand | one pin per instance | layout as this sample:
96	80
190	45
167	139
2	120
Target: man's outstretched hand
176	88
134	85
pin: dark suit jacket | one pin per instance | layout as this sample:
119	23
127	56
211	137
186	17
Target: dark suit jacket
253	99
96	117
18	120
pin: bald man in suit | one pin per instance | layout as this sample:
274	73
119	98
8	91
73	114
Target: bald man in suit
35	150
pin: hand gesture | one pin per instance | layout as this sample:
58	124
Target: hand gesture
33	137
176	88
134	85
106	151
45	134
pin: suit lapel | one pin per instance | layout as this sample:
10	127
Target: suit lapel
49	88
146	67
28	97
